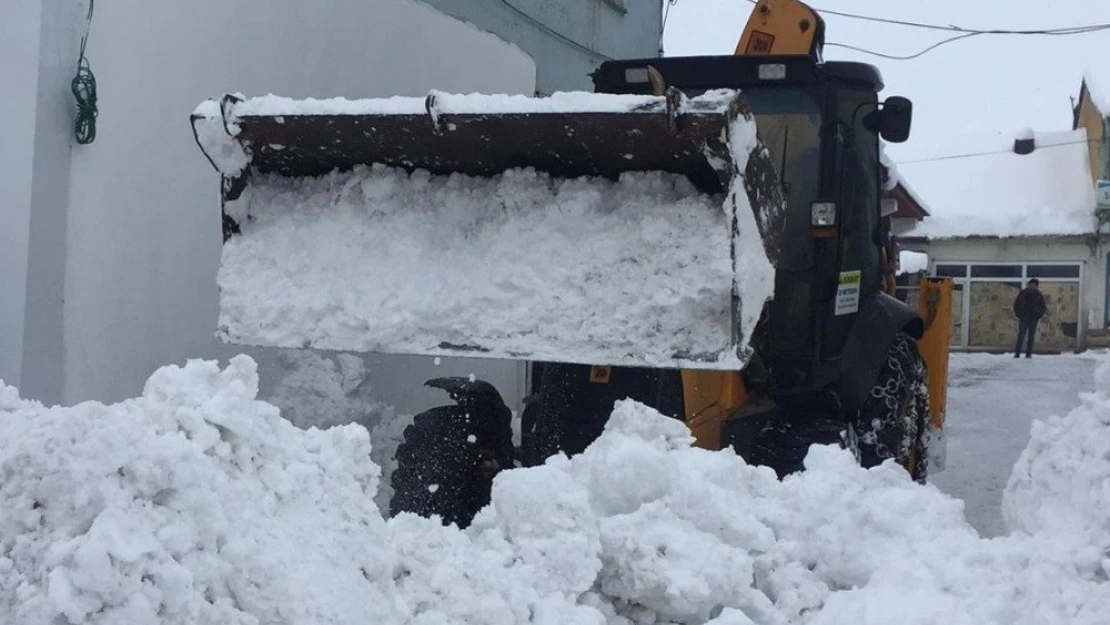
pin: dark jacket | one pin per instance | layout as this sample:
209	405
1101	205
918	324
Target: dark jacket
1029	304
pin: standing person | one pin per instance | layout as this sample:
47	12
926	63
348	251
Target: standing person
1029	307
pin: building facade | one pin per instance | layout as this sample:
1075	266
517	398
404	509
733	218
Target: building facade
109	250
568	40
1008	217
1092	113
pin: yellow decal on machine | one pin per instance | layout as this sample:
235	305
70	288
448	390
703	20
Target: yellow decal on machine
760	43
600	375
847	292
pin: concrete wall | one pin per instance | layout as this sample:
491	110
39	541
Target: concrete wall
568	39
126	231
19	63
40	216
1083	250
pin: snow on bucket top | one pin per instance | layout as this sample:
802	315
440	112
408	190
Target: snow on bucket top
581	227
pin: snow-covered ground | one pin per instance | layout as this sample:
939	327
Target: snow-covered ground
198	503
992	402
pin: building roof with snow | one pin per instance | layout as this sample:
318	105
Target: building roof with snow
1097	84
910	203
982	188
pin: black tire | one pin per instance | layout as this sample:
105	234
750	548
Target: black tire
893	422
540	435
782	444
448	459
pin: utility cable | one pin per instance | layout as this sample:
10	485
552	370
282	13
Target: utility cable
554	33
949	157
667	12
663	27
1067	30
964	33
895	57
83	86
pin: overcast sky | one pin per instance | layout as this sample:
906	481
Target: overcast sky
993	84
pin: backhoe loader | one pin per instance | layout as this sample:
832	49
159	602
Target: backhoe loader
700	234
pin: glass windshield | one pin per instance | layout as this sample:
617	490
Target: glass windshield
789	122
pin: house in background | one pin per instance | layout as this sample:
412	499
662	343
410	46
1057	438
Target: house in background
109	251
902	207
1000	218
1092	113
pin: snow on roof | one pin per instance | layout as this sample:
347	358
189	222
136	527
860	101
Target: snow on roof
1098	85
894	179
994	192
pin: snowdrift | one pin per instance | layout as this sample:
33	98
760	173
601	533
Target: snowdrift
197	503
1061	483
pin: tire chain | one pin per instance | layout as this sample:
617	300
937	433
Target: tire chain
891	423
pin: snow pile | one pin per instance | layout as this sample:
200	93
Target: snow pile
195	503
1061	484
990	191
324	390
587	270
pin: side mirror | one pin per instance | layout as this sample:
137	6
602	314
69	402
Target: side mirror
897	117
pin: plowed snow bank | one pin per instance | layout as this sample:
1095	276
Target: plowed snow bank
196	503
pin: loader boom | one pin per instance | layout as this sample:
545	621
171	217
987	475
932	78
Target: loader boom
784	27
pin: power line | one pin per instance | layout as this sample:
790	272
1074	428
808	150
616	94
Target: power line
554	33
667	12
949	157
964	33
1067	30
907	57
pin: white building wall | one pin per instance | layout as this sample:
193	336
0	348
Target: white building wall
19	63
142	240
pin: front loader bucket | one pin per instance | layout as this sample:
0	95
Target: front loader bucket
587	228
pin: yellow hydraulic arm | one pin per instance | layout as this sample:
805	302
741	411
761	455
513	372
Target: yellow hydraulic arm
935	305
782	27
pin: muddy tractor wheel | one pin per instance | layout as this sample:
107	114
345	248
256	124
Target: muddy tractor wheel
893	422
450	454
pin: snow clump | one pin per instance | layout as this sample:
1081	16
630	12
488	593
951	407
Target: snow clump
197	503
1061	483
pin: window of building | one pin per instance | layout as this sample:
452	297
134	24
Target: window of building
982	314
1053	271
996	271
951	271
